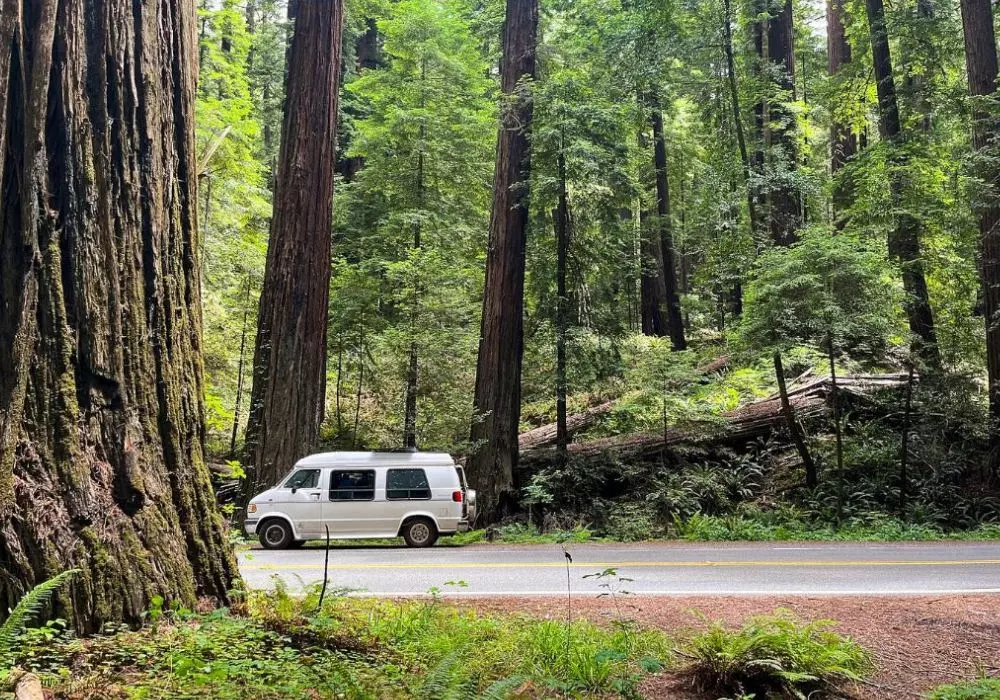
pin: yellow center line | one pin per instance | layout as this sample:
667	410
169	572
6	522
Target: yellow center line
624	564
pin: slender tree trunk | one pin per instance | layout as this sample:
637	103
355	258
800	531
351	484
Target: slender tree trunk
562	252
904	239
904	449
289	378
838	430
652	290
102	463
361	383
775	42
497	402
734	98
793	426
239	372
981	65
412	372
843	140
675	321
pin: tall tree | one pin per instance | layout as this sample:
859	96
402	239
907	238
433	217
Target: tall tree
843	140
904	238
561	220
289	379
774	39
101	410
497	403
981	65
675	322
734	101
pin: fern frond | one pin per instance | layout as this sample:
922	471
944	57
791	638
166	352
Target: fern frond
29	607
443	680
502	689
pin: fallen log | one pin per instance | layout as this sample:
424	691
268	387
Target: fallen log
737	427
545	435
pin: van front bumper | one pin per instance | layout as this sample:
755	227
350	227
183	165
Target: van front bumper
250	525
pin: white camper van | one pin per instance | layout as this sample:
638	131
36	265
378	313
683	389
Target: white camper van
358	495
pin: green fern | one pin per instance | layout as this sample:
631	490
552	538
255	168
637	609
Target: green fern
27	610
444	680
502	689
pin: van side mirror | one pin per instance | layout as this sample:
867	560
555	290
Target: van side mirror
294	489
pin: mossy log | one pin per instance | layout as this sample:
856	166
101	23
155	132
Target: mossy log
101	411
735	428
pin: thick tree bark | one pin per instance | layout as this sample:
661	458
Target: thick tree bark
774	39
675	321
843	140
904	239
981	65
497	403
289	380
101	411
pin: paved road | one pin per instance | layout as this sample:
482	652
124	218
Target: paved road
655	569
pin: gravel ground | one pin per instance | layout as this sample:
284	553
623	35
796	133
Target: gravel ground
919	642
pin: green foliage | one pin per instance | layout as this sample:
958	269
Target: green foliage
776	652
410	229
826	286
28	609
979	689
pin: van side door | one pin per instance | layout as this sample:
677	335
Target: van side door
406	490
300	498
350	506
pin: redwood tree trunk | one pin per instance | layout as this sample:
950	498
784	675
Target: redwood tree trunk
675	321
981	64
101	411
775	43
904	239
652	290
289	379
843	140
498	371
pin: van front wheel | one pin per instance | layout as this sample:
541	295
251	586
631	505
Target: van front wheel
275	534
420	532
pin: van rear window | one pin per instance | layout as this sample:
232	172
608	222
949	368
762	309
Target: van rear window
407	484
352	485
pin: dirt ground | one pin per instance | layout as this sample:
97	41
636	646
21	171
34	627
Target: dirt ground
919	642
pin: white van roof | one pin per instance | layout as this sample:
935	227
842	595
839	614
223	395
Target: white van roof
377	459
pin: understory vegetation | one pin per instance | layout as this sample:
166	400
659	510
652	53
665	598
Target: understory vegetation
283	646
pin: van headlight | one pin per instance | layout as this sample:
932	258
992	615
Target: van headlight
252	508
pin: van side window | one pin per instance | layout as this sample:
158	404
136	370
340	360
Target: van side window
406	484
303	479
352	485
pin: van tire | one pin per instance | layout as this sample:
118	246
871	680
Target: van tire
274	534
419	532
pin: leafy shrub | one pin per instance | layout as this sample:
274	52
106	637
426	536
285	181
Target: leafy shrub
775	652
980	689
632	522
